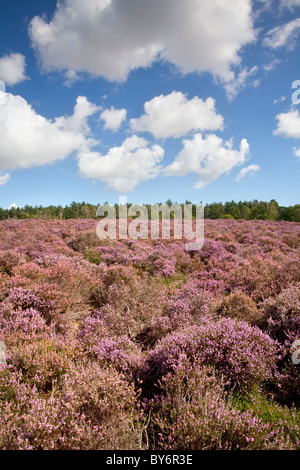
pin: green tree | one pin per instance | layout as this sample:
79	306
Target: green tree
297	214
273	210
245	211
214	210
259	211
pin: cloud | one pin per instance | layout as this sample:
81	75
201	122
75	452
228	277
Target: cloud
283	35
4	178
77	123
29	139
174	115
14	205
282	4
71	77
279	100
296	152
109	38
240	82
271	65
113	118
266	3
124	167
208	158
291	4
12	69
247	170
288	124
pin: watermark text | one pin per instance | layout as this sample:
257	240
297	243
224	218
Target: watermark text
178	221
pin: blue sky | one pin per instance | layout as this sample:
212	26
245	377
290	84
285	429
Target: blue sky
152	100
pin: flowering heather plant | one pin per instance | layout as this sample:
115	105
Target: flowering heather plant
31	238
73	281
84	240
283	324
258	276
155	258
45	298
279	416
120	353
194	412
9	259
188	305
128	304
96	410
44	301
242	307
283	312
117	351
28	321
107	403
138	344
92	329
29	421
239	352
44	361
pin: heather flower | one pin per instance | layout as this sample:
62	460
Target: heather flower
202	339
283	324
195	412
237	351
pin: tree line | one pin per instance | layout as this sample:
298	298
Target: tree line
217	210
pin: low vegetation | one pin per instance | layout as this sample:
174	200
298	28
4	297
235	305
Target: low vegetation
144	345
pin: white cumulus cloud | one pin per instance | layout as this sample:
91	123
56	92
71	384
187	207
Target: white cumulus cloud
208	158
174	115
113	118
246	171
123	167
12	69
14	205
4	178
288	124
109	38
29	139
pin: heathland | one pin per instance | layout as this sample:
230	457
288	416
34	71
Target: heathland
140	344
